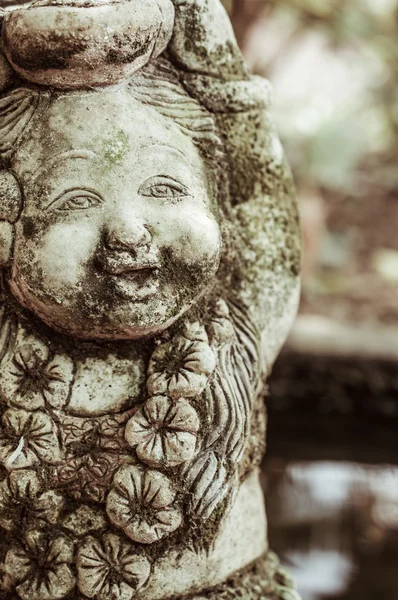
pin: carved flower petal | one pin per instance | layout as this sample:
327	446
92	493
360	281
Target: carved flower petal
151	451
142	425
183	417
16	454
30	400
31	436
15	421
156	409
221	331
167	521
60	370
92	567
141	531
200	359
42	438
120	510
9	511
17	564
61	551
29	355
158	355
186	384
138	430
132	566
48	506
53	584
25	484
179	447
167	448
157	490
157	383
136	571
128	479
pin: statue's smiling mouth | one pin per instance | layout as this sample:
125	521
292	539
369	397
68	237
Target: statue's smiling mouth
135	283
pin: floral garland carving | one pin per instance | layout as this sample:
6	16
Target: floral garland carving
129	464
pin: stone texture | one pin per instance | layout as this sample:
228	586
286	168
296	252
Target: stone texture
150	257
265	580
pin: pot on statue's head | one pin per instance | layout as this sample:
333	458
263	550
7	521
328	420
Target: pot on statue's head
79	43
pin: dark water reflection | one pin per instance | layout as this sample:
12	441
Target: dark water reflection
335	524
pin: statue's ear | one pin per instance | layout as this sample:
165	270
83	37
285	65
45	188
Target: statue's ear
10	208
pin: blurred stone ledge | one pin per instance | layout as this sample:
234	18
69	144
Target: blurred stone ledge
325	337
334	394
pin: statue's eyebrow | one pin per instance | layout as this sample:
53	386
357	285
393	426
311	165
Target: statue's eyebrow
82	154
172	149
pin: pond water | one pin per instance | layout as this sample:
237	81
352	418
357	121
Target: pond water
335	525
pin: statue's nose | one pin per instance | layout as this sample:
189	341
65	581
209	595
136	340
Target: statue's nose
122	237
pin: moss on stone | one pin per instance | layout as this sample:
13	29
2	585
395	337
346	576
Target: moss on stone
115	148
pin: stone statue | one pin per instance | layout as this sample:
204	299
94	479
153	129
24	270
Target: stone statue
150	257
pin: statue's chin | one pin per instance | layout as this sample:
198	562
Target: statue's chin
115	324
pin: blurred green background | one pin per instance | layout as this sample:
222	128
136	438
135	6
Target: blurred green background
334	68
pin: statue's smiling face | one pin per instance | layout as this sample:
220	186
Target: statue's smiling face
119	233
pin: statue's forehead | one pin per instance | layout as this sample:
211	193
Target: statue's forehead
112	125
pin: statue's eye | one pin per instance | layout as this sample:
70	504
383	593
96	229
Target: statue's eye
164	188
76	200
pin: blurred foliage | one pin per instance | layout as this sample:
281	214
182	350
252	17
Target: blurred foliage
339	113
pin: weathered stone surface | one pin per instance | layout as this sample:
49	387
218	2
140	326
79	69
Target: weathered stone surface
150	256
265	580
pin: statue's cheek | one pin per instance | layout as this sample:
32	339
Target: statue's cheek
58	257
197	239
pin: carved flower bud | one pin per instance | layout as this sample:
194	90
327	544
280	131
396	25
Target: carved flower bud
78	44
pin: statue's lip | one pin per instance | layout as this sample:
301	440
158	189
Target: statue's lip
132	270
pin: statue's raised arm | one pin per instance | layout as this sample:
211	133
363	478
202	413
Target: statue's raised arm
149	260
264	209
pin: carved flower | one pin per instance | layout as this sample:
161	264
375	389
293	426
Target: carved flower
42	570
140	503
27	438
22	499
221	329
29	379
109	569
182	367
164	432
